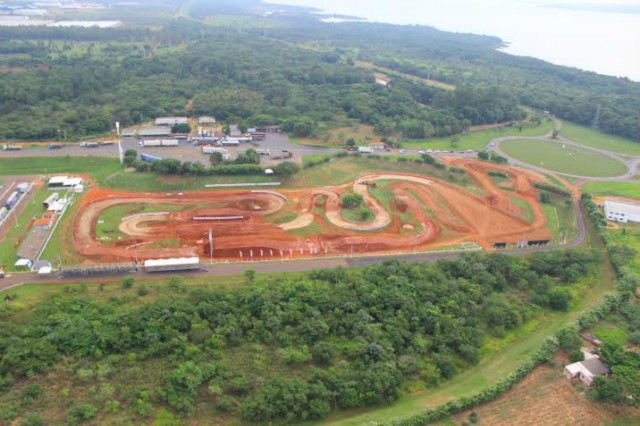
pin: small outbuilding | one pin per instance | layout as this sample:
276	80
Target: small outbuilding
586	370
23	264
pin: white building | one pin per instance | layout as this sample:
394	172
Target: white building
586	370
621	212
171	121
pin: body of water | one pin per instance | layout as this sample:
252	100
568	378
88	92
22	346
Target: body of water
597	35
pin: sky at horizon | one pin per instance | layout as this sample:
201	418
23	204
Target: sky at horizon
564	32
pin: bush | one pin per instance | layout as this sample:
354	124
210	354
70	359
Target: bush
82	412
350	201
552	189
128	282
225	404
286	169
142	290
545	197
32	419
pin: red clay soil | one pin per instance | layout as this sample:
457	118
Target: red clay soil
442	214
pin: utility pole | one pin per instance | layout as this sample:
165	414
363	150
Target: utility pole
596	119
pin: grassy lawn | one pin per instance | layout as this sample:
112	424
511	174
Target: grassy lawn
99	168
528	211
560	219
552	156
60	245
479	139
339	171
622	189
357	214
18	229
151	182
628	234
598	139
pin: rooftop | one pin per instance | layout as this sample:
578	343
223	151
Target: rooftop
620	207
595	366
171	262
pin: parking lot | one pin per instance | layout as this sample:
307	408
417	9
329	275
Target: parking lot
9	184
185	151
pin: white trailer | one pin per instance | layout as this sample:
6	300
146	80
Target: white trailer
150	142
176	264
169	142
365	150
230	142
211	149
208	150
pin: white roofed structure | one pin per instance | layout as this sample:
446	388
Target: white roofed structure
171	121
621	212
175	264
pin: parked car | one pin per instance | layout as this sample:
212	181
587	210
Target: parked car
402	151
422	152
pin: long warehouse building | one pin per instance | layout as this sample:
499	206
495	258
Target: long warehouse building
176	264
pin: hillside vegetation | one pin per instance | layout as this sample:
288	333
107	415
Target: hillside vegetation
293	348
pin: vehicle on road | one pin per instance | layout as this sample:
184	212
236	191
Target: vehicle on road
11	147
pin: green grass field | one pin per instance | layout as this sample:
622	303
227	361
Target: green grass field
479	139
622	189
99	168
597	139
572	160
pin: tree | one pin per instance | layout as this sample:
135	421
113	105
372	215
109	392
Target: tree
454	141
127	282
215	158
286	169
545	197
350	201
181	128
365	213
351	142
483	155
569	339
130	156
249	275
182	386
559	299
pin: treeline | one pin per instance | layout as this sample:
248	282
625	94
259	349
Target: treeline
253	80
463	59
329	340
244	164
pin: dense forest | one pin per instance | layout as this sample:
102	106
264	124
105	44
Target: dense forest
464	59
78	84
275	349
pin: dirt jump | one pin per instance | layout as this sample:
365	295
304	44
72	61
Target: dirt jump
407	213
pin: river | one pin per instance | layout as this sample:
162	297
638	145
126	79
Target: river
595	35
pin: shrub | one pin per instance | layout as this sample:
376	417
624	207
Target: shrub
350	201
82	412
128	282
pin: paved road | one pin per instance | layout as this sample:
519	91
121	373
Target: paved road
184	152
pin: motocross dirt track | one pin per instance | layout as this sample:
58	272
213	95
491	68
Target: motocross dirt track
425	213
